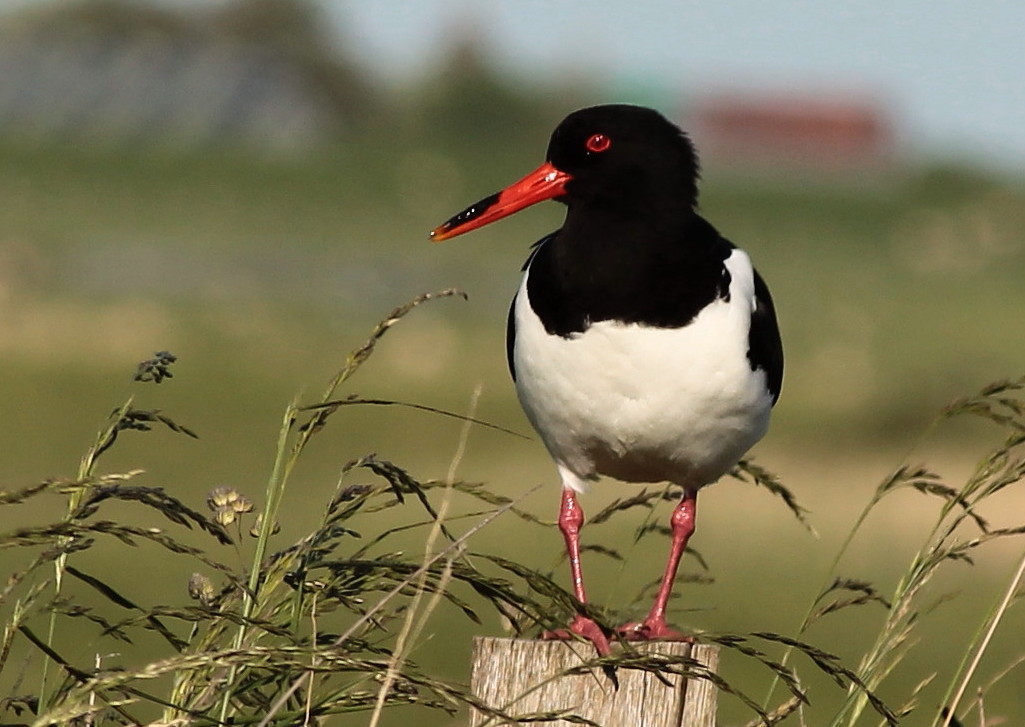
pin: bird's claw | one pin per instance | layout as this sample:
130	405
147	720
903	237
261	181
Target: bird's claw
583	627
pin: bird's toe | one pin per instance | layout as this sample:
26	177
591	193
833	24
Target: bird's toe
585	628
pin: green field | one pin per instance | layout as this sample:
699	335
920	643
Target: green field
896	295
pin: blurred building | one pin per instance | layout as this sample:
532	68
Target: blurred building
133	72
799	132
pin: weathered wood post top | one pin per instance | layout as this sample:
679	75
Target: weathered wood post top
526	676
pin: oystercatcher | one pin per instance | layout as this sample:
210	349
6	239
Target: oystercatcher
643	344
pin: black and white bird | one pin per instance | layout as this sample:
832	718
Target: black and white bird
643	344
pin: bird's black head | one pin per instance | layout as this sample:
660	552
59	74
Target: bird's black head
614	156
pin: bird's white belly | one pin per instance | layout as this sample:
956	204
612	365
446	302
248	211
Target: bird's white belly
644	404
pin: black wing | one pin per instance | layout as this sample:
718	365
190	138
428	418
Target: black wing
510	338
510	321
764	347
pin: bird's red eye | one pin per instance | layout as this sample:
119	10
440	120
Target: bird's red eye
598	143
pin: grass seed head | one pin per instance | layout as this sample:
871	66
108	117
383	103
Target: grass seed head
201	589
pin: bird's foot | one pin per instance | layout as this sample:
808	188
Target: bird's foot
586	628
651	629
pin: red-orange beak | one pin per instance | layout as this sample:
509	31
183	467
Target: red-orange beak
543	183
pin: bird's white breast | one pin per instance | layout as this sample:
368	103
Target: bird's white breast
646	404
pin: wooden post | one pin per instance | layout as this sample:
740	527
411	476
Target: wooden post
507	672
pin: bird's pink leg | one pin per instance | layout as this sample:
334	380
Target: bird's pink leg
571	518
654	626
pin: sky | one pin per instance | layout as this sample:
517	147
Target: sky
951	72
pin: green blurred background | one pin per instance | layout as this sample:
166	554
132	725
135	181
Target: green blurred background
240	184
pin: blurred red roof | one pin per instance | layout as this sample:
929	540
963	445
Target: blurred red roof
800	130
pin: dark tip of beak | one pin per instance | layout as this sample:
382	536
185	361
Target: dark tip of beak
449	228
